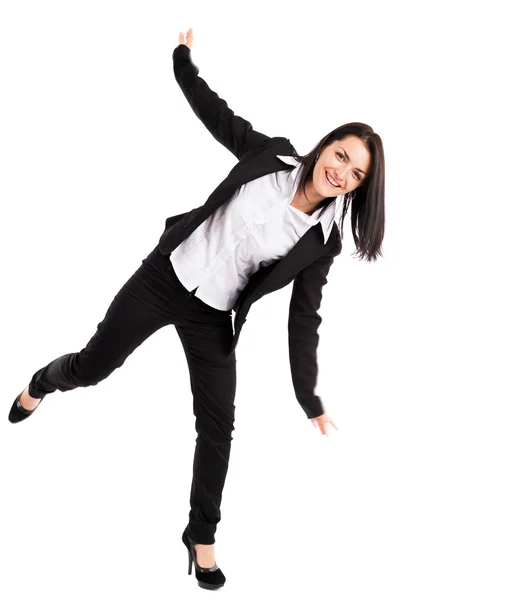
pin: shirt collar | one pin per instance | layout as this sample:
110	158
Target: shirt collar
326	215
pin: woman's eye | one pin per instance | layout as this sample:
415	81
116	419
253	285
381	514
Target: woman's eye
358	176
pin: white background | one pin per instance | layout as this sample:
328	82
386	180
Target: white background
407	499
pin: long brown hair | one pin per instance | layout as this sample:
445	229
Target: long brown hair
368	202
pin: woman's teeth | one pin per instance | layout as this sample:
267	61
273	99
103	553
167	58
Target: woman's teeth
330	181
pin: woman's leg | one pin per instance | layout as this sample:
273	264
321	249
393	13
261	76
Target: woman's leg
149	300
206	339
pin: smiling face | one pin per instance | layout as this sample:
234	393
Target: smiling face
347	162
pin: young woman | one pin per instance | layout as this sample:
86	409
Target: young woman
269	223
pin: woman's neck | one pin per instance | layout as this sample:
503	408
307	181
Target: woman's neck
309	205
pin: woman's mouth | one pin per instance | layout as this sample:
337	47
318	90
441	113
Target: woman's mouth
330	182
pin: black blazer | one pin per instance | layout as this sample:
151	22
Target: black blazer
308	262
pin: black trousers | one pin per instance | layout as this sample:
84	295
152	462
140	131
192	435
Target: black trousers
152	298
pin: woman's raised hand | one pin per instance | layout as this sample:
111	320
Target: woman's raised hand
190	38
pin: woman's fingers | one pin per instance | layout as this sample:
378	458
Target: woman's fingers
190	38
321	422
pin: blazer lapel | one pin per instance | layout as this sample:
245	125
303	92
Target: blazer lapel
279	273
254	164
308	248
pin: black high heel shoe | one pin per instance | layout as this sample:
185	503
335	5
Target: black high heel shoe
18	413
211	578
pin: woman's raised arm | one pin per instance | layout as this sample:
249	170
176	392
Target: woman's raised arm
233	132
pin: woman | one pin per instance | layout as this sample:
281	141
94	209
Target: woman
270	222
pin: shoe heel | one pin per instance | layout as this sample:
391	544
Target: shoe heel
209	578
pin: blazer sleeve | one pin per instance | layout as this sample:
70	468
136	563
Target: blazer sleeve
233	132
303	324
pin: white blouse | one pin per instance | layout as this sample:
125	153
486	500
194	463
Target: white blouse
254	228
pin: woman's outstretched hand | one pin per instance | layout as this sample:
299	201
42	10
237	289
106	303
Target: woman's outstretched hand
190	38
321	420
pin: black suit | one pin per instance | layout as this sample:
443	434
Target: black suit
154	297
309	261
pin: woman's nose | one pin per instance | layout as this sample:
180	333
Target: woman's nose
342	178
